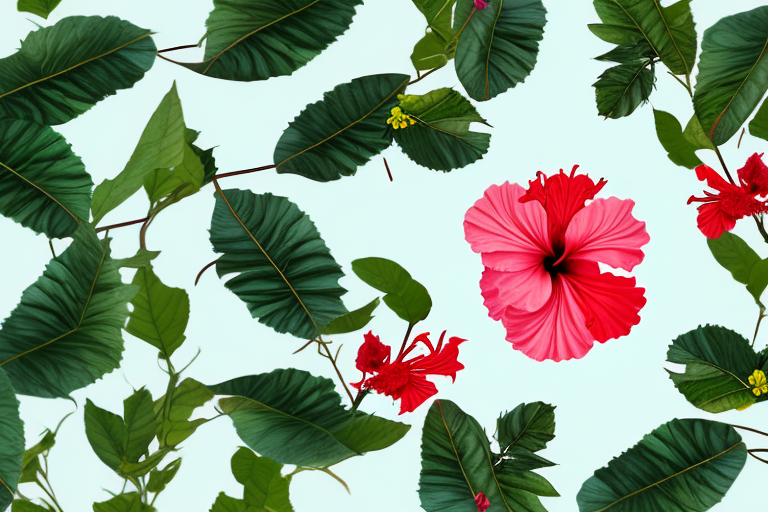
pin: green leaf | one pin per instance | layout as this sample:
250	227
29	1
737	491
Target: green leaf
140	469
63	70
679	149
173	425
139	414
432	51
352	321
11	442
404	295
180	182
248	40
669	31
106	433
438	14
160	313
441	138
27	506
159	478
66	331
662	471
457	464
265	486
128	502
224	503
696	136
733	73
285	273
30	463
498	45
758	280
295	418
341	132
758	127
623	88
142	258
162	146
42	8
529	426
718	363
734	255
43	184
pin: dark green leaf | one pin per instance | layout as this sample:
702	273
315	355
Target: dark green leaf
695	134
159	478
42	8
679	149
457	464
265	486
758	280
129	502
11	441
733	73
529	426
160	313
139	414
352	321
734	255
62	71
173	425
27	506
404	295
758	127
341	132
295	418
682	466
43	184
718	363
285	273
106	433
66	331
626	54
143	258
30	463
441	138
498	46
623	88
249	40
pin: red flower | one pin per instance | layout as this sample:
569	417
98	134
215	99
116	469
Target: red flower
406	380
482	502
541	249
719	212
481	4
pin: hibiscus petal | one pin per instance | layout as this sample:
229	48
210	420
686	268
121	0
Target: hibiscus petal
445	362
416	392
510	235
754	175
713	220
606	231
527	290
557	331
609	303
712	177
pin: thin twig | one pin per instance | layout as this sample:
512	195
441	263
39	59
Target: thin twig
752	453
687	87
405	340
389	173
750	430
50	244
200	274
338	372
757	327
738	146
178	48
122	224
425	75
246	171
722	162
761	227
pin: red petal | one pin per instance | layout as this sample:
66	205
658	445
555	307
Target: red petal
711	176
444	362
416	392
372	354
713	220
754	175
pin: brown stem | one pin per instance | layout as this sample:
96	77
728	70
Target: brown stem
738	146
405	340
761	227
722	162
338	372
389	173
750	430
425	75
122	224
143	232
177	48
752	453
757	327
200	274
246	171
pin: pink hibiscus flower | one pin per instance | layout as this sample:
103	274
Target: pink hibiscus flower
541	249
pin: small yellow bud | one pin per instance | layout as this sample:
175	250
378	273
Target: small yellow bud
758	382
400	119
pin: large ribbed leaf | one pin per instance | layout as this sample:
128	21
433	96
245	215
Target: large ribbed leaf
682	466
733	73
11	441
257	39
43	184
457	464
66	331
441	138
498	46
336	135
529	426
295	418
718	363
669	31
285	273
62	71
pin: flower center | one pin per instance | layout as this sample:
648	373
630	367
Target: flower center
550	265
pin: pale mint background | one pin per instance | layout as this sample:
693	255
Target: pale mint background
606	402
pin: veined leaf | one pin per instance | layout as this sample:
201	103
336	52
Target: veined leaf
682	466
457	465
441	138
143	258
439	44
139	417
623	88
669	31
670	133
352	321
160	313
733	73
695	134
285	273
172	419
734	255
498	46
27	506
63	70
718	363
11	442
529	426
66	331
127	502
43	184
254	40
30	463
265	486
341	132
758	127
42	8
159	478
295	418
439	14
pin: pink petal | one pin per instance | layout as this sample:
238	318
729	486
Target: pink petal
510	235
527	290
557	331
606	231
609	303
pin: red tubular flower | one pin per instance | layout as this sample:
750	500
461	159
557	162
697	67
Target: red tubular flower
720	211
406	380
541	249
481	4
482	502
